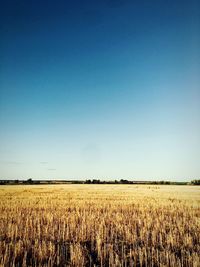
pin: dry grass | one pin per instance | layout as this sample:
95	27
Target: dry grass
99	225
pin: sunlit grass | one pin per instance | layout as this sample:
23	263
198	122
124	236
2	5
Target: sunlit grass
99	225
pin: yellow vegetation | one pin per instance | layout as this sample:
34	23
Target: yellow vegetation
99	225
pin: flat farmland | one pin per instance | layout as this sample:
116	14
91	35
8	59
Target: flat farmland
99	225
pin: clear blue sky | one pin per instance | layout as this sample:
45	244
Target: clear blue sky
100	89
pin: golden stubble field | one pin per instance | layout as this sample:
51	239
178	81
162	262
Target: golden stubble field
99	225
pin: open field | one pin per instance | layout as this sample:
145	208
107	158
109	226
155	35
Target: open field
99	225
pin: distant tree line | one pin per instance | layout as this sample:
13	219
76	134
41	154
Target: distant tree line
195	182
30	181
123	181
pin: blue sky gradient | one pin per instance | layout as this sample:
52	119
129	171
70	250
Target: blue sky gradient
100	89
